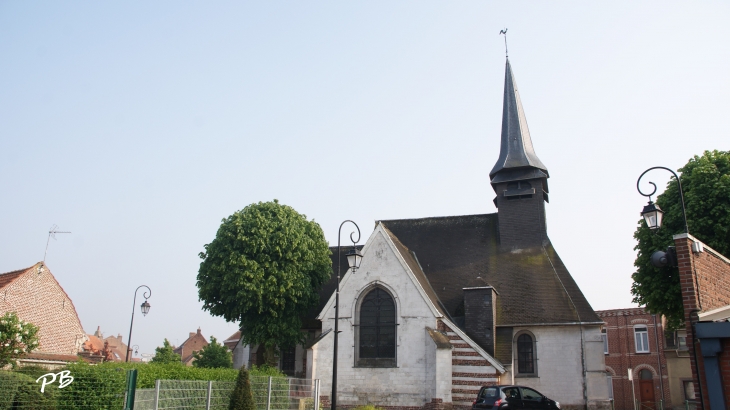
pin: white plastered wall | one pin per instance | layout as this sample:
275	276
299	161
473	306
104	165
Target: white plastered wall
411	382
559	364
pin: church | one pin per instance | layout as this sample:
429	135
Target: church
442	306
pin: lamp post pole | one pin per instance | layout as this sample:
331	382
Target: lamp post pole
681	195
145	308
354	263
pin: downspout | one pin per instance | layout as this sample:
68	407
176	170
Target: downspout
658	357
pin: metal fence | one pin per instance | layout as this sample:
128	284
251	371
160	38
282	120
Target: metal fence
110	390
269	393
53	390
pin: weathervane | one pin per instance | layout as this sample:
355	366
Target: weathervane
52	234
504	32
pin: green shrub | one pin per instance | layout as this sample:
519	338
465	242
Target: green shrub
242	398
21	391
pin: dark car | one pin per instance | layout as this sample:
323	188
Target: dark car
512	397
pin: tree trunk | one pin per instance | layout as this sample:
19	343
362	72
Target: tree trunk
270	356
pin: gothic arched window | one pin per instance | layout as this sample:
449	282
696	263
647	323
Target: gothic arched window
525	354
376	347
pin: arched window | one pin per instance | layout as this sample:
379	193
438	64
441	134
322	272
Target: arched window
376	347
645	375
526	354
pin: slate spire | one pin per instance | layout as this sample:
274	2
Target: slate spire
517	159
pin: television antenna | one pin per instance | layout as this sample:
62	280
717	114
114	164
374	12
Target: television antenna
52	234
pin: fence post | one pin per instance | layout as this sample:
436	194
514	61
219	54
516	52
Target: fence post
316	394
130	389
157	394
207	399
268	397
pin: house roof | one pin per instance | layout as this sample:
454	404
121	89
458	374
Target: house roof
9	277
456	252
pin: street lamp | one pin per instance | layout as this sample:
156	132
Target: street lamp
354	257
135	348
653	216
145	306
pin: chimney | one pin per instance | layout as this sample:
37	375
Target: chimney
479	312
198	330
191	334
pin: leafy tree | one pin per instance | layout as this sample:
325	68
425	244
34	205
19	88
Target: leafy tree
17	338
706	188
242	399
263	270
213	355
165	354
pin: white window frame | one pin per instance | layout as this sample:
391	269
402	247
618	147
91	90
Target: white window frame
604	336
641	339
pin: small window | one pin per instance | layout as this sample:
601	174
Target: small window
641	337
689	390
288	360
645	375
609	380
604	336
525	354
682	340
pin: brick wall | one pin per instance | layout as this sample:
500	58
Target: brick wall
705	280
37	297
622	355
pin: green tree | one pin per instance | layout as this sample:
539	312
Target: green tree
241	398
263	270
213	355
165	354
17	338
706	188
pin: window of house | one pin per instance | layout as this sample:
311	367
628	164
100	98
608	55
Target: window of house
288	360
609	380
689	390
682	340
641	338
376	347
525	354
604	336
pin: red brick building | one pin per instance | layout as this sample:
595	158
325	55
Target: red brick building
704	275
35	295
659	360
195	342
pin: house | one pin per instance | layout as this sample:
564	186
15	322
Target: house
195	342
704	275
442	306
635	342
37	297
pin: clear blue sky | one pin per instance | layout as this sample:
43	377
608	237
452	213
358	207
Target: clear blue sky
138	126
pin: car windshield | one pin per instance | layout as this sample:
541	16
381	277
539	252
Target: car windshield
490	392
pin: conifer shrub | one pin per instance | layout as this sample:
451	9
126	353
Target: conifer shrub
241	398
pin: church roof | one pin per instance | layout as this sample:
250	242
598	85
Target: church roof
517	158
533	284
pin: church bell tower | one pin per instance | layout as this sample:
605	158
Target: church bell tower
518	178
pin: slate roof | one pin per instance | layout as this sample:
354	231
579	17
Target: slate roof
533	284
516	150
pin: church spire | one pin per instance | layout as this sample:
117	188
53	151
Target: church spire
517	159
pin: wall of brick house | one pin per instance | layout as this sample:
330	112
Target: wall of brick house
705	281
622	355
38	298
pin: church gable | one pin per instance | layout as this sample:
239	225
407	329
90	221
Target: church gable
391	267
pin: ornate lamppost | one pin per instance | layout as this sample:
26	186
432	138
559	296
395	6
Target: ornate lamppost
145	306
653	216
354	257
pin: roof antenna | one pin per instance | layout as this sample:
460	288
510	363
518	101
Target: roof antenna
501	32
52	234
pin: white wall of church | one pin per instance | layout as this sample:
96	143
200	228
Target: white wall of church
559	364
408	383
